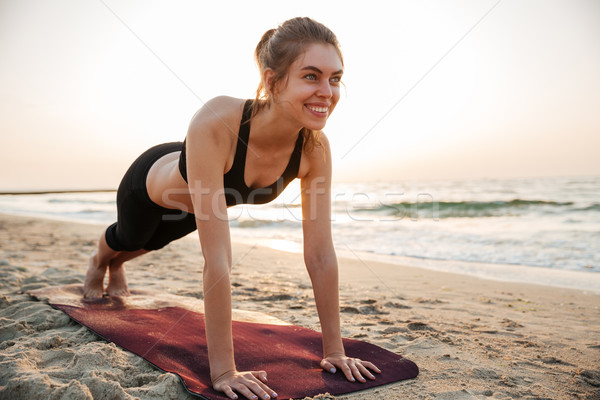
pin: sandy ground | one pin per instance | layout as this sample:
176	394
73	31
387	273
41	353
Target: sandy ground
472	338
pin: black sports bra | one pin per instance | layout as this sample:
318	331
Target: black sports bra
236	191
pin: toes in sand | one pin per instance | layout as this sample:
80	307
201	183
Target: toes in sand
93	286
117	281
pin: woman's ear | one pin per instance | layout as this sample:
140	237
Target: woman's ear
268	79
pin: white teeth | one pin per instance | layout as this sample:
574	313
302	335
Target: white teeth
318	109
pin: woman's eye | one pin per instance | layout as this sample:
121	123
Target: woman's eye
336	79
311	77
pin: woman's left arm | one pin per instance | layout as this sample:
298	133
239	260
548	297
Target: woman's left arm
321	263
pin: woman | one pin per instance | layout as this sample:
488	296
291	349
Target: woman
235	152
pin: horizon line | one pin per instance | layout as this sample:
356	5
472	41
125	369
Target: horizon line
49	191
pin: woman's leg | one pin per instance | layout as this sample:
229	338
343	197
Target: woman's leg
138	227
106	258
93	287
164	231
117	279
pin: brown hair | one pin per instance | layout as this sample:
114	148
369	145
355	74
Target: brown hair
278	49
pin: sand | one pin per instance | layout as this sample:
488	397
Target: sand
472	338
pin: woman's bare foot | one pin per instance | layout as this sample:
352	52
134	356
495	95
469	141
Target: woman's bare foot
117	281
93	288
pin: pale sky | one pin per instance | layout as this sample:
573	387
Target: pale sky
433	91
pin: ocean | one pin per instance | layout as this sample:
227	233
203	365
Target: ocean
536	230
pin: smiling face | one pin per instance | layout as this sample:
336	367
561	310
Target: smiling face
311	89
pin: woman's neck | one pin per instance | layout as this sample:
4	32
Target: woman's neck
272	128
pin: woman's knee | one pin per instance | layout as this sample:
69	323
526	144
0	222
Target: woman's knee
118	242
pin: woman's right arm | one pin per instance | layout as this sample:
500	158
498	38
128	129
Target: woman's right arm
209	143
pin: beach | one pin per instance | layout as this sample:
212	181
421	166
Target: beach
471	338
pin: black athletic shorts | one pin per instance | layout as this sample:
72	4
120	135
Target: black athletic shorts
141	223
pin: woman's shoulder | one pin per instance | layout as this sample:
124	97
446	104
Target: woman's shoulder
321	150
317	161
222	113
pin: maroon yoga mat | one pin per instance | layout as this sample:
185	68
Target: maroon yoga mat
172	338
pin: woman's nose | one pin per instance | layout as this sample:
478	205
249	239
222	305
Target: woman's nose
325	90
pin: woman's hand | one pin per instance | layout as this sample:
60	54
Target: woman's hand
353	368
251	384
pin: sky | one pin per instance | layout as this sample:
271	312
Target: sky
433	89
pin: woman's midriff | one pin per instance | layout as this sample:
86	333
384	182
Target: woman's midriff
165	185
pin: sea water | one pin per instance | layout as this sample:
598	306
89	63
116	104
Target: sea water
495	228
